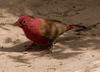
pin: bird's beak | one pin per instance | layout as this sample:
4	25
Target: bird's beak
17	24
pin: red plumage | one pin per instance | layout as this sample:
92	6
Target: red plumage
42	31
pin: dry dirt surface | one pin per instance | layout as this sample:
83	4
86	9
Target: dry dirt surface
73	52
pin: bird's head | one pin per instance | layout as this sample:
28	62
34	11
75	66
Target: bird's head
23	21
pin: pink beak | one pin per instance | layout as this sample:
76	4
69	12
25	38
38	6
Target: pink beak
17	24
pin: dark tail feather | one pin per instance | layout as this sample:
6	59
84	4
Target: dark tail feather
92	26
77	27
82	28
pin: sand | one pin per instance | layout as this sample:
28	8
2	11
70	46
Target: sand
71	53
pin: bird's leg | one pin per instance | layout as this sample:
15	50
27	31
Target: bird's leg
50	48
30	47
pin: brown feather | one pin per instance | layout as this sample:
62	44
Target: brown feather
51	29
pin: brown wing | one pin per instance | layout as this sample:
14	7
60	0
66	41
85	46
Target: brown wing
51	29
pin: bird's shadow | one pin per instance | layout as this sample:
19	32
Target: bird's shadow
75	43
19	58
22	48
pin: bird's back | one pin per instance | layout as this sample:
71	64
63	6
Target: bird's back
52	29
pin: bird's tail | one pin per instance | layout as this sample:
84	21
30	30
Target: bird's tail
81	27
76	27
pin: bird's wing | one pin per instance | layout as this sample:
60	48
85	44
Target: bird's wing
51	29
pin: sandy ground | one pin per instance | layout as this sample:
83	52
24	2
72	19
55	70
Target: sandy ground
71	53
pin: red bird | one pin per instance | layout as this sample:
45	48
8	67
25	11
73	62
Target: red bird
42	32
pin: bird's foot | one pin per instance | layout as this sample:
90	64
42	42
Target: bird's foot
50	49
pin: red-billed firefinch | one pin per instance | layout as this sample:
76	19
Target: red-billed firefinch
41	31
